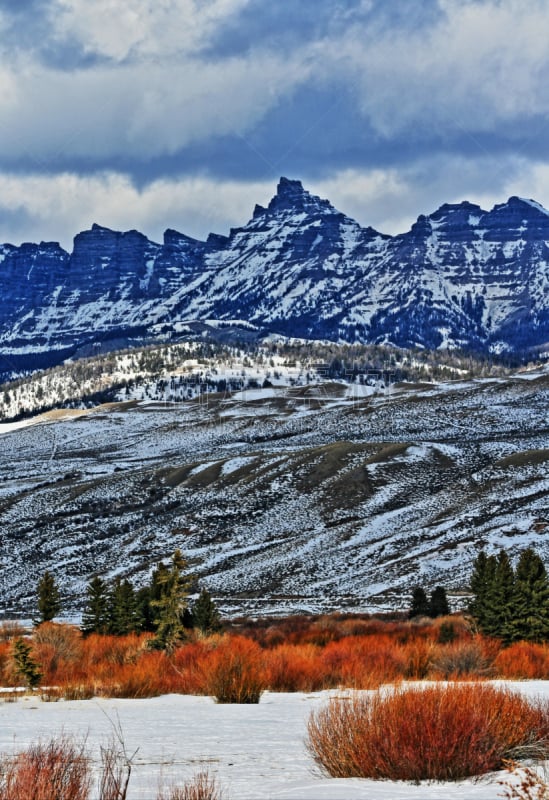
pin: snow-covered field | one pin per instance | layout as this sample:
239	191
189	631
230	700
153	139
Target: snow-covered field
256	752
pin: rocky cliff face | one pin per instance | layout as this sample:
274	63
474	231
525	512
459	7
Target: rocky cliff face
461	277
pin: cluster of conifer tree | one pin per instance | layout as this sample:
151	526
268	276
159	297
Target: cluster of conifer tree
511	603
434	606
161	607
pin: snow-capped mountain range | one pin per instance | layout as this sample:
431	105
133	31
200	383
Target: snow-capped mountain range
461	277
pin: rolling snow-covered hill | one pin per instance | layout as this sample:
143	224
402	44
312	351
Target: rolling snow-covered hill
461	277
290	496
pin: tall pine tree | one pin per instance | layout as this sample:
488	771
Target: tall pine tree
530	617
95	616
499	598
438	603
482	578
420	604
172	603
123	616
205	614
49	598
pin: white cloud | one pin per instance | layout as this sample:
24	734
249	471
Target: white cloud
479	66
57	208
391	200
137	28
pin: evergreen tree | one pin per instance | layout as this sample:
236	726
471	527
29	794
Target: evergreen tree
25	664
205	614
145	613
438	603
95	617
499	598
481	582
122	608
530	617
420	603
49	598
172	603
147	596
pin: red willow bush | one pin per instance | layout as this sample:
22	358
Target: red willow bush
436	732
234	671
317	653
523	660
57	769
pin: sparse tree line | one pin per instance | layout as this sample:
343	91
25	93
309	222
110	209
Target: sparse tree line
508	603
83	383
160	607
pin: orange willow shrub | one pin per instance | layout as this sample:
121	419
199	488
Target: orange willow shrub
57	769
523	660
362	662
293	654
294	668
5	665
234	671
150	676
114	649
438	732
56	647
189	663
110	664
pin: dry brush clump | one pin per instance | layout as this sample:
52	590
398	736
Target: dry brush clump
58	769
526	783
433	732
523	660
234	672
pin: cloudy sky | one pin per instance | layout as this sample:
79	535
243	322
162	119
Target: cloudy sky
184	113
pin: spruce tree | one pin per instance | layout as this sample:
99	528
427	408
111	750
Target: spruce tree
205	614
420	604
49	598
122	608
530	617
95	618
438	603
144	612
481	582
172	603
25	664
499	599
147	596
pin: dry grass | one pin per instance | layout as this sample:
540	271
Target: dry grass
529	784
201	787
438	732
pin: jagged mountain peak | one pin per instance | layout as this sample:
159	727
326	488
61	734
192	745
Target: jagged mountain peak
291	196
461	277
451	212
529	205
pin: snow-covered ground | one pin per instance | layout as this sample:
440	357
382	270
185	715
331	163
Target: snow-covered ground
283	499
256	752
